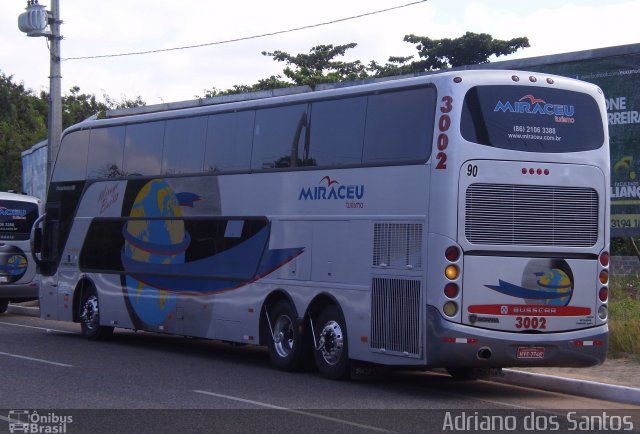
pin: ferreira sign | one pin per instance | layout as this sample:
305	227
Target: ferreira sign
617	71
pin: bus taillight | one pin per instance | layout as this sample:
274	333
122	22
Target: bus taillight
452	253
603	294
604	259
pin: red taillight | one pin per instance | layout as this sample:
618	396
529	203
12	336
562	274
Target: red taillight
603	294
451	290
452	253
604	259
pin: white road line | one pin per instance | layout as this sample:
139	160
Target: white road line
33	359
48	330
291	410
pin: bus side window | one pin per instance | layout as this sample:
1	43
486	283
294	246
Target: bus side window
229	140
337	131
279	137
71	164
399	126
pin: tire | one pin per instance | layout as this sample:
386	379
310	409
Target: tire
89	315
332	350
285	341
4	304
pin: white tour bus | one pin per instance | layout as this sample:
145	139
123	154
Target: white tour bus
18	279
456	220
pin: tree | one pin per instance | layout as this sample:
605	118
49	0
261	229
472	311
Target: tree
318	65
469	49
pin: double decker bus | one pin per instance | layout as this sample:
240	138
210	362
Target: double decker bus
456	220
18	279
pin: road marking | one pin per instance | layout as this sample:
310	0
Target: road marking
48	330
291	410
33	359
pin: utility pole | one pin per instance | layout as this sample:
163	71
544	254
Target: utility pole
34	22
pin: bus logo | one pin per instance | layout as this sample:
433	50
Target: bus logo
331	189
547	282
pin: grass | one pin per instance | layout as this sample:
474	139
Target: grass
624	317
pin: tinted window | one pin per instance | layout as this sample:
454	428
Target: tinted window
71	163
399	126
532	119
143	148
16	219
105	153
184	142
229	138
337	132
279	137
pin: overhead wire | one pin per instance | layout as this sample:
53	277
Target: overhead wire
246	38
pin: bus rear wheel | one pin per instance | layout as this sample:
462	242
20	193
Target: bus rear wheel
90	317
285	342
331	352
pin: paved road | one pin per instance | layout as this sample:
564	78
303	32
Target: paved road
47	366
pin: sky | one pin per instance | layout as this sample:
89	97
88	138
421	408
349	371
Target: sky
94	27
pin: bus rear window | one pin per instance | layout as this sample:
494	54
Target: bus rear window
531	119
16	219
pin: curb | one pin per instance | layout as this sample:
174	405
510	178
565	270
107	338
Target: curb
23	310
586	388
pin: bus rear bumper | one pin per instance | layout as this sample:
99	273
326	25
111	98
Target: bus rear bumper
455	345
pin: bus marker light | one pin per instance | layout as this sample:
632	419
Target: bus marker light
602	312
595	343
550	80
451	272
451	290
457	80
364	339
450	308
603	294
604	277
452	253
515	78
532	79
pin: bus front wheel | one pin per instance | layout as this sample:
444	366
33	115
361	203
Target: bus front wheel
285	342
331	349
90	317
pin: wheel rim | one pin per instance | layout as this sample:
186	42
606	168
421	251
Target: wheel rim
89	315
331	342
283	336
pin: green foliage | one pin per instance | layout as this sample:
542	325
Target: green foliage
624	316
318	65
23	122
469	49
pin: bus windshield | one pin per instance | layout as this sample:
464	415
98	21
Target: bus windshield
531	119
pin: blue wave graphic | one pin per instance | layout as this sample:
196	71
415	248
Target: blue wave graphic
226	270
520	292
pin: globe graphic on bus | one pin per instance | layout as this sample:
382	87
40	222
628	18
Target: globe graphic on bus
160	240
16	265
555	281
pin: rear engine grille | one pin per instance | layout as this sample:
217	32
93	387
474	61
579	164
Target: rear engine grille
531	215
395	316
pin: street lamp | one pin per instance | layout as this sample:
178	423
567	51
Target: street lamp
34	22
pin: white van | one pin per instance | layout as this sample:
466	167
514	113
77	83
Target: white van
18	278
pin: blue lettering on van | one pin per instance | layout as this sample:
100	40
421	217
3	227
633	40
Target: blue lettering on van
529	104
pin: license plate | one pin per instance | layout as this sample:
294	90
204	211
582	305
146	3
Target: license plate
530	353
